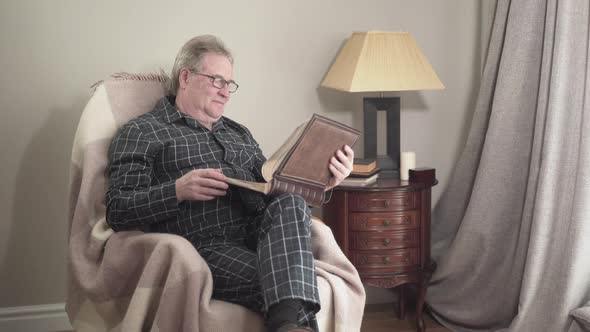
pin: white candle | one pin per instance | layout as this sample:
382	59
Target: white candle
407	162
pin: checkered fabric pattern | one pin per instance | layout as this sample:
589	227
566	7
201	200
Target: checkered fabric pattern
151	152
276	262
258	249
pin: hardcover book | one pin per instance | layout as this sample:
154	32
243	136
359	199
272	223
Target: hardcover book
300	165
359	182
363	165
354	174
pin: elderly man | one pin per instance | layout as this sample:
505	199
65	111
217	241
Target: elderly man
167	173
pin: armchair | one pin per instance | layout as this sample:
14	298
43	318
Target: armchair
135	281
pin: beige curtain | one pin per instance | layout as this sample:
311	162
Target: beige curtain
511	233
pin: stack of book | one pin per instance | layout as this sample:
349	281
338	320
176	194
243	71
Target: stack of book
364	172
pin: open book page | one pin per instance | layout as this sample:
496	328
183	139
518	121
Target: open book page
270	166
256	186
300	165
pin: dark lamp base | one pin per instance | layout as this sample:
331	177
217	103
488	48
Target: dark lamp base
388	168
389	163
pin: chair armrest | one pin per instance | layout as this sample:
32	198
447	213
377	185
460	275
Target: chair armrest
316	219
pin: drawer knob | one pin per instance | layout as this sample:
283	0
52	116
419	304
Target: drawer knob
386	242
386	222
386	260
387	203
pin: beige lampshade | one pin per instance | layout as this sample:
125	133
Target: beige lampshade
381	61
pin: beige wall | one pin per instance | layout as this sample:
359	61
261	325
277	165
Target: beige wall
52	51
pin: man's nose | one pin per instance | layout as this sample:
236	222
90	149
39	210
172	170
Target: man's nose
224	91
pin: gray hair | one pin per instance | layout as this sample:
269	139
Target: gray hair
191	54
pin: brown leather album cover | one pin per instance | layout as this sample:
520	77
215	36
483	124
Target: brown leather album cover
300	165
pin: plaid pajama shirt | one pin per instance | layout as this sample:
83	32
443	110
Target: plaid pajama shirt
258	248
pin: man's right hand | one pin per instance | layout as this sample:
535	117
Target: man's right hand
201	185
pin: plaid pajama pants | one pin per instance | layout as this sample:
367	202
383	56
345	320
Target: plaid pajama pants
277	264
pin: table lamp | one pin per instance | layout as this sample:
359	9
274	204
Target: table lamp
377	61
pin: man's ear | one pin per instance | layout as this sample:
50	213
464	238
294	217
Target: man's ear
183	78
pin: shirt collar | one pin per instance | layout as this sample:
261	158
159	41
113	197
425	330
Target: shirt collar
219	125
172	114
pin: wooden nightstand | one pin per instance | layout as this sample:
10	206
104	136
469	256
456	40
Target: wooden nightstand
384	229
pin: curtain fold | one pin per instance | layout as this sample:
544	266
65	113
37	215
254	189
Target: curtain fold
511	233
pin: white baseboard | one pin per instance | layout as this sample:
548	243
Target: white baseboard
35	318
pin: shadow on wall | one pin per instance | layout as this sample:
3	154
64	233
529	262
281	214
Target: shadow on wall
470	107
35	264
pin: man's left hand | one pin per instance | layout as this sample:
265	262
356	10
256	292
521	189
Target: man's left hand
340	166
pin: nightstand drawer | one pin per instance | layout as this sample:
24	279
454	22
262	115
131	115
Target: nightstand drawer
384	230
380	221
386	261
384	240
369	202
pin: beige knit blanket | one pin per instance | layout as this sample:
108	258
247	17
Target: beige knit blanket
134	281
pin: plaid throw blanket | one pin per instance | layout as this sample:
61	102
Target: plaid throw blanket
134	281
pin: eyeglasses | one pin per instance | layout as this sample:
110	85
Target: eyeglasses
218	81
